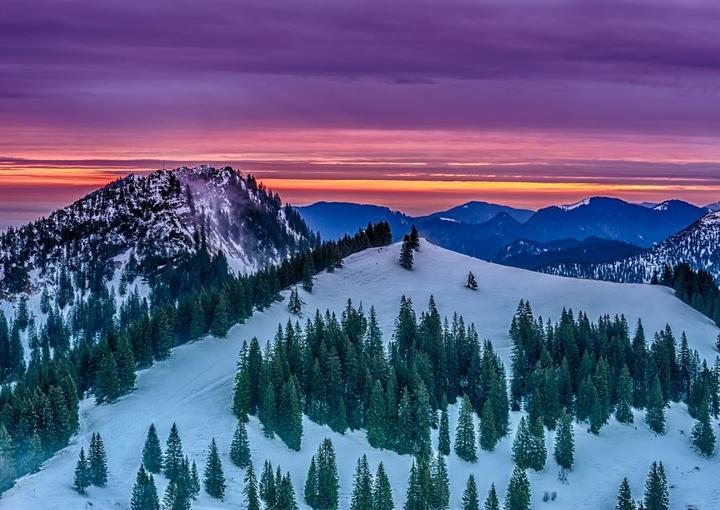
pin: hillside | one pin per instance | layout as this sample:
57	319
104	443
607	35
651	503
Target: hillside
336	219
479	212
154	220
697	245
193	388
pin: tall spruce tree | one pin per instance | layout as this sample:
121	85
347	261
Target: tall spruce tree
221	317
444	433
414	238
375	422
488	430
152	452
538	450
172	462
323	493
656	495
214	476
470	499
625	500
82	473
655	412
565	441
703	437
285	494
517	496
144	493
382	493
250	490
440	489
406	254
362	497
97	461
623	410
308	273
268	491
492	502
521	447
465	432
240	447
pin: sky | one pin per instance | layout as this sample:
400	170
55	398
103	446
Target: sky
418	104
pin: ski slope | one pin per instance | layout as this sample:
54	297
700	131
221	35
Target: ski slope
194	388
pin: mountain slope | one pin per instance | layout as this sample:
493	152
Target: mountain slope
193	388
160	219
480	212
698	245
534	255
336	219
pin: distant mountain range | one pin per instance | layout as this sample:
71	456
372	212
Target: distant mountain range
697	245
488	231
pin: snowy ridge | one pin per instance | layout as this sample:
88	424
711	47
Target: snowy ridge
194	388
698	245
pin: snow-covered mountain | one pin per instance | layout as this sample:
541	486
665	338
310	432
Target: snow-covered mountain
154	220
698	245
194	389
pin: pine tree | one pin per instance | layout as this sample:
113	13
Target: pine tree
221	317
242	394
488	431
311	483
471	282
565	441
82	473
406	254
517	496
268	491
285	494
416	495
382	494
240	447
308	273
375	422
173	459
623	411
521	446
538	450
361	498
655	412
194	481
470	495
144	494
267	407
97	461
295	303
492	502
624	497
250	491
414	238
327	487
152	452
656	496
107	386
444	433
214	477
465	433
440	493
703	437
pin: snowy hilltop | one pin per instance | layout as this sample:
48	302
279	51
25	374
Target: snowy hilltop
199	387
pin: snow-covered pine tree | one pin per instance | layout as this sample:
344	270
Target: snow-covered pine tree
656	495
488	430
471	282
625	500
361	498
97	461
194	480
521	446
172	462
152	452
295	304
240	447
382	493
538	450
465	433
250	490
565	441
703	437
517	496
655	410
82	473
492	502
470	499
406	254
144	494
214	478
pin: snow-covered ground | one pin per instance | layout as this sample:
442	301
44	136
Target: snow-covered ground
194	388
